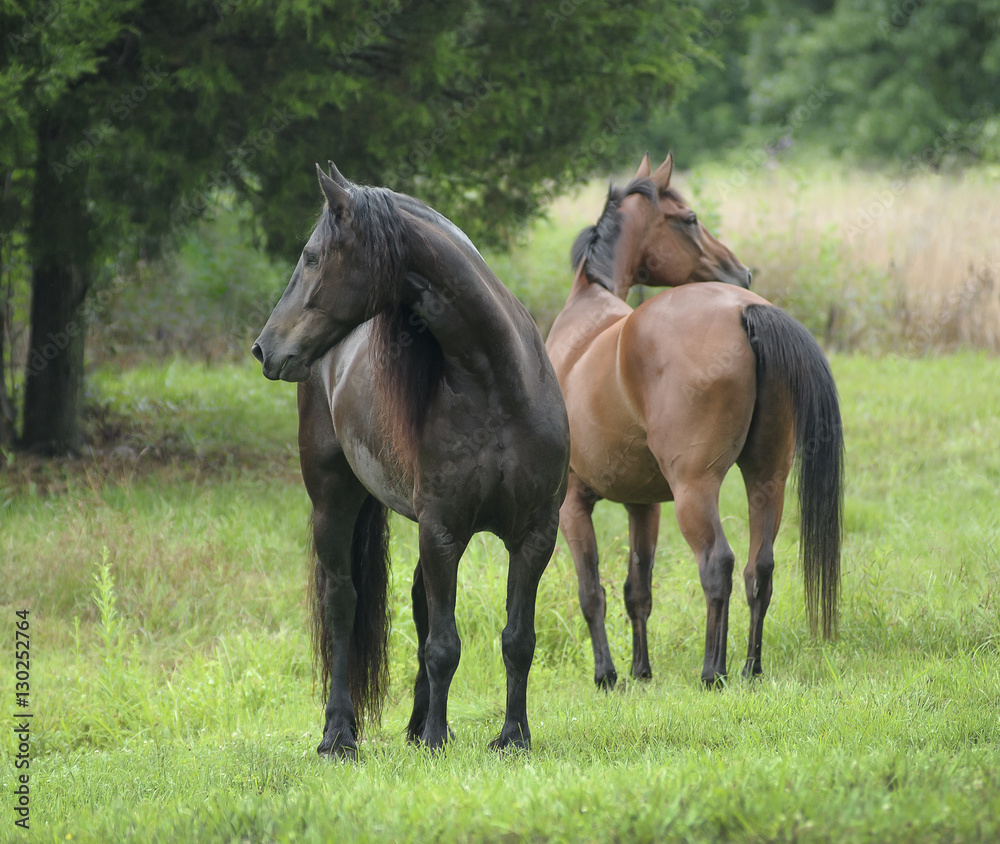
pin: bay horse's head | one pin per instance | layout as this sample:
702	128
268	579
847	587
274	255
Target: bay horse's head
346	274
648	235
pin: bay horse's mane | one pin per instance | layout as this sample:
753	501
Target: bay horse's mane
406	357
595	246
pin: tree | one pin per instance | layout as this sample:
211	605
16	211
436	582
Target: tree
904	79
126	118
714	114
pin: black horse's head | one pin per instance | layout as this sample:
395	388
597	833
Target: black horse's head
344	276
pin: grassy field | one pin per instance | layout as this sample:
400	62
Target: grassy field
174	697
164	579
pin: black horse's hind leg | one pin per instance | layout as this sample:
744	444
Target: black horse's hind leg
577	524
644	526
440	552
527	563
421	687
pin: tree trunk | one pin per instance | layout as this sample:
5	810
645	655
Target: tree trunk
7	414
53	388
61	251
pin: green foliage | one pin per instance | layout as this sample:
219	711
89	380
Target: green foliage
714	111
126	122
207	300
908	80
914	79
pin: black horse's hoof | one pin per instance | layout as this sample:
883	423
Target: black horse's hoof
435	744
337	752
607	681
510	741
715	681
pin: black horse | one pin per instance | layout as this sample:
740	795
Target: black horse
424	387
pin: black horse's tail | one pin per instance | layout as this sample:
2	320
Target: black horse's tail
367	664
788	354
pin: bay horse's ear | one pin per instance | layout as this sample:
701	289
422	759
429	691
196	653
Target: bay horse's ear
336	195
661	178
336	176
643	171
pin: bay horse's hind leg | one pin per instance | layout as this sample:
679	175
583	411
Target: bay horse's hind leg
528	560
697	508
765	462
644	526
577	524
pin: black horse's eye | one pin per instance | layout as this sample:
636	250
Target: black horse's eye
310	259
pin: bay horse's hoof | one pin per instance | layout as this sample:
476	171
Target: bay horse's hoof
752	670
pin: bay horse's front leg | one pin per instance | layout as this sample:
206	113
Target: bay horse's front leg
644	527
528	560
440	552
577	525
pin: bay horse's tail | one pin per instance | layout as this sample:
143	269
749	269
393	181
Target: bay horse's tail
367	664
787	354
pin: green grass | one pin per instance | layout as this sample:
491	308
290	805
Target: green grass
175	698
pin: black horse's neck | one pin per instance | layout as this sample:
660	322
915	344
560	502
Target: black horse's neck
453	294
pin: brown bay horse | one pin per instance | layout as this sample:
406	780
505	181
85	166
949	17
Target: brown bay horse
425	388
663	400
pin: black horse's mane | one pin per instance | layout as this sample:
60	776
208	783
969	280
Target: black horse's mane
596	244
406	357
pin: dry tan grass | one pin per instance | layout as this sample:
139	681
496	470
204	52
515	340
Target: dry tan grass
929	243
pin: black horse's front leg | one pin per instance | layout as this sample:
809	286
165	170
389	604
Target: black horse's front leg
337	497
440	552
339	727
527	563
421	686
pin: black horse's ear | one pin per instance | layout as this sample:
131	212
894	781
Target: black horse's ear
336	175
336	195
